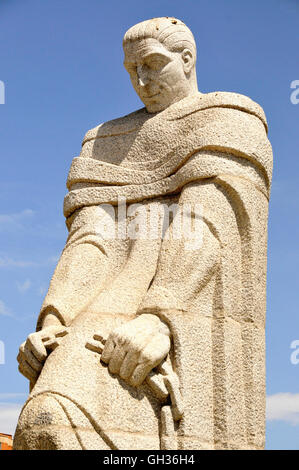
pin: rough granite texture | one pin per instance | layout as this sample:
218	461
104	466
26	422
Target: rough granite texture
144	343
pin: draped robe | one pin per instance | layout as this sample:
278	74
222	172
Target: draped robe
208	149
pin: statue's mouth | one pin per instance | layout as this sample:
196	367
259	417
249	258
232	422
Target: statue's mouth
150	96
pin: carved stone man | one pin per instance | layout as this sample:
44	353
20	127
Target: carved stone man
148	342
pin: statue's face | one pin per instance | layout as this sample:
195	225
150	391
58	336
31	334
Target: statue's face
159	77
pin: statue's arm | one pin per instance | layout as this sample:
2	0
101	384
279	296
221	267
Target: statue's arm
81	272
83	269
189	262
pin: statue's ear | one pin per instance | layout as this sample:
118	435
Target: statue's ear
188	60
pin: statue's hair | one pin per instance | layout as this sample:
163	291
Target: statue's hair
171	32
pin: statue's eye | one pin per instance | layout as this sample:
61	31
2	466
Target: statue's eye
155	64
131	68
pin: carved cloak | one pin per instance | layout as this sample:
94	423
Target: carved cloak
212	149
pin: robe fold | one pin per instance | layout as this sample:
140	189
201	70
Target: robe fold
209	150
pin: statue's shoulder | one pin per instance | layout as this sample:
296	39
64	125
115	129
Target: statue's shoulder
217	99
225	99
121	125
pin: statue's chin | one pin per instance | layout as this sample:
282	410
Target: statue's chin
156	107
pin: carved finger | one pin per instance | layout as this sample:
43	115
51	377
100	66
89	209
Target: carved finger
21	355
117	359
172	384
156	383
28	372
31	359
140	373
129	364
108	350
35	344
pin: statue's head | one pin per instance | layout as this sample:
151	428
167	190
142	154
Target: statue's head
160	56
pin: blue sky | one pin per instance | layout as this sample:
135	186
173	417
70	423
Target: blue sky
61	63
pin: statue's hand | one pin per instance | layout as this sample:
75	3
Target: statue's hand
35	350
135	348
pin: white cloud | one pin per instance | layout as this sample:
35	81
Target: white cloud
54	259
16	216
15	220
27	222
4	310
283	407
11	396
6	262
9	414
24	286
42	290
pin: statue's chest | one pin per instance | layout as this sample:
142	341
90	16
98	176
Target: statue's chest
149	144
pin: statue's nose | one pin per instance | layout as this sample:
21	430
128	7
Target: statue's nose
142	79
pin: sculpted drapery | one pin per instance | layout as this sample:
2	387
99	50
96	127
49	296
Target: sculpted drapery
149	342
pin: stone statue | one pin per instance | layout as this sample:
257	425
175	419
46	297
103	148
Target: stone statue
157	342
